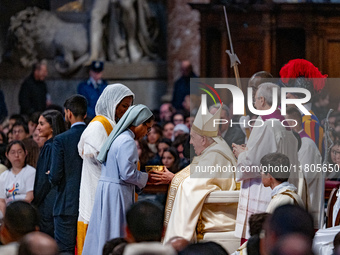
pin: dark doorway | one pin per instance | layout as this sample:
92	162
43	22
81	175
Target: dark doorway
213	53
290	44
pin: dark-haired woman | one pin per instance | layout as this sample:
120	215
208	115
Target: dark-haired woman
17	182
50	124
170	159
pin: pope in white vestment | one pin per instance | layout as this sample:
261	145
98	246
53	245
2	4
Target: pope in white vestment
108	108
270	137
186	215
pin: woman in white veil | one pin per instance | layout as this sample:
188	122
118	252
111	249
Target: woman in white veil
110	107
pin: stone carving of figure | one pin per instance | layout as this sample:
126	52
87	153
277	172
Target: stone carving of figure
38	34
131	36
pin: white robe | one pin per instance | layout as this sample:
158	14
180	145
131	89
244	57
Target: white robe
323	240
185	211
283	194
254	197
89	146
309	155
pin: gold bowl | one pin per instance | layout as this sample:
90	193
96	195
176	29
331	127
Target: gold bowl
154	168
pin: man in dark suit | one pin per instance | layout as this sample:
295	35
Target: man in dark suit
182	85
231	134
66	174
33	91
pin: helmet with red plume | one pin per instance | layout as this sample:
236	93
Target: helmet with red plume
301	73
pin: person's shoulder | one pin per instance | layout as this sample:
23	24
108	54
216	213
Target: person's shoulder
48	144
271	125
125	137
282	199
4	174
29	78
70	132
94	127
307	141
127	134
64	135
29	169
27	83
79	128
83	83
236	130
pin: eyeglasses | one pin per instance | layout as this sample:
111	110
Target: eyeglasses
149	128
12	152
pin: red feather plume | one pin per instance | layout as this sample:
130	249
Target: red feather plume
302	68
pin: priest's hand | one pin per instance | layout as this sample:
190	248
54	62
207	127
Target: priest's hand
238	149
164	177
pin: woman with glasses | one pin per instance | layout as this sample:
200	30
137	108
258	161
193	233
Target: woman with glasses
17	182
50	124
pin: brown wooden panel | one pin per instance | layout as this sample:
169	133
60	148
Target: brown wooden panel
267	36
333	60
251	55
332	65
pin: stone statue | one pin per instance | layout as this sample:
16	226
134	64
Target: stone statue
134	29
135	32
40	34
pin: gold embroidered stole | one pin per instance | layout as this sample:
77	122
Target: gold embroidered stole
290	194
176	181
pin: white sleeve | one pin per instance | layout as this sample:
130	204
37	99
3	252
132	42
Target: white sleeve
261	142
92	140
29	178
2	184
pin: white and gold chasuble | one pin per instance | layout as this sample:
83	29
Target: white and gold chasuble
186	215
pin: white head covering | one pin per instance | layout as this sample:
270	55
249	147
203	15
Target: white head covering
178	127
135	115
112	95
204	124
